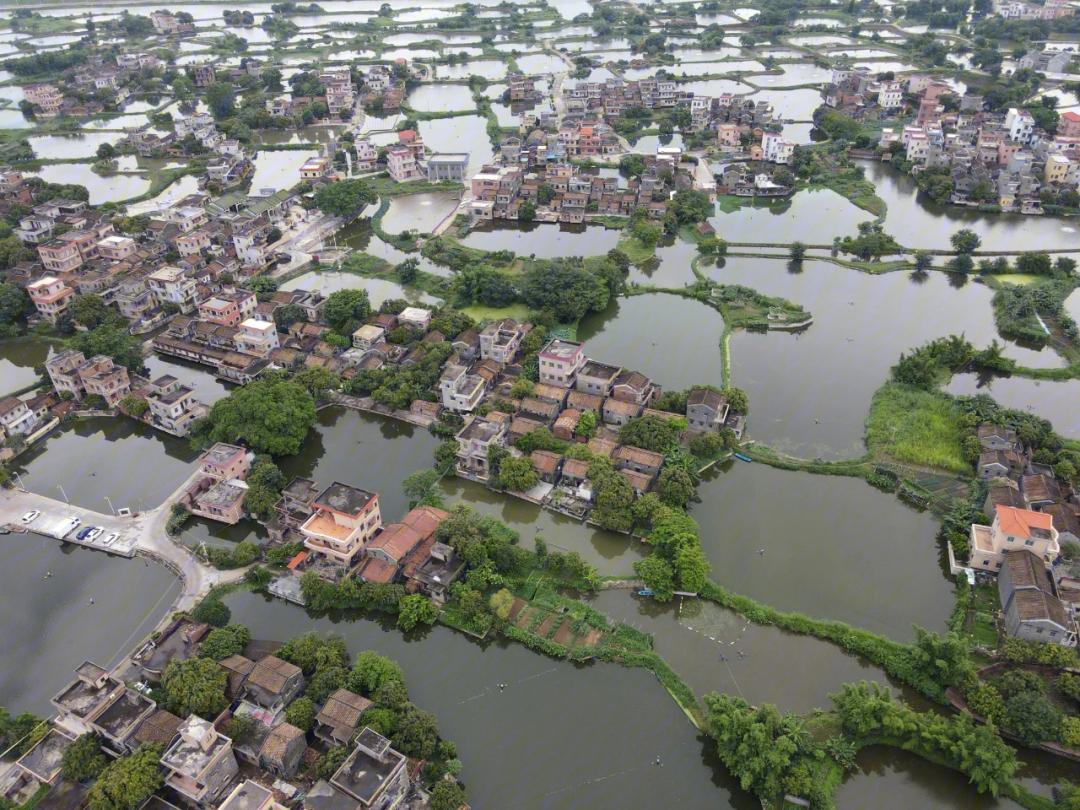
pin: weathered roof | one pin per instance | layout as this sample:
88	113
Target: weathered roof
582	401
425	519
344	499
1032	605
1040	488
396	540
601	447
636	455
632	379
271	674
992	431
372	569
277	742
1026	570
637	480
707	397
1064	518
343	709
545	460
575	468
612	405
160	727
539	406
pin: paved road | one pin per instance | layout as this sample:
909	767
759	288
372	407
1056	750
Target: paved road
145	531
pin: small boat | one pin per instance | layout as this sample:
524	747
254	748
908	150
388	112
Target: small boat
5	531
741	457
646	592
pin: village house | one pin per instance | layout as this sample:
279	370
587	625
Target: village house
596	378
374	777
273	684
173	407
560	360
228	308
80	702
340	716
431	568
1000	464
1010	530
219	494
474	441
1030	603
282	749
617	412
461	392
51	297
638	460
257	338
500	341
15	417
993	437
247	795
706	410
342	521
546	465
447	167
199	764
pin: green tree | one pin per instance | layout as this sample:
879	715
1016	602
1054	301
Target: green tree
658	576
317	381
923	260
133	406
212	611
408	271
692	567
755	745
113	341
195	686
391	695
15	304
417	733
586	426
265	482
416	609
944	660
129	781
289	314
965	241
518	474
522	387
327	765
736	399
346	198
676	486
527	211
301	713
422	488
270	416
371	671
106	151
652	433
83	759
222	642
1032	718
345	306
221	99
447	795
797	251
565	289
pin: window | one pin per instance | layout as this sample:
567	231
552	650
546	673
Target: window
1053	633
1029	542
998	565
1038	629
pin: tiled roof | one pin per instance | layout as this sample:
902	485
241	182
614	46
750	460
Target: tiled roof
638	456
396	540
277	742
271	674
1022	522
376	570
545	460
425	519
1026	570
343	709
160	727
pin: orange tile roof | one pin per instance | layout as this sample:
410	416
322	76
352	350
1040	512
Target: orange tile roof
425	519
1020	522
397	540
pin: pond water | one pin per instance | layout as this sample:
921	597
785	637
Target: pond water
419	212
441	98
795	73
579	731
1051	399
913	219
278	170
50	627
378	289
805	397
543	239
13	118
810	216
831	537
467	133
18	356
177	191
81	145
102	188
672	356
134	465
541	63
797	105
208	388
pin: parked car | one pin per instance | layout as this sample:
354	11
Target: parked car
108	540
82	535
67	527
95	533
30	517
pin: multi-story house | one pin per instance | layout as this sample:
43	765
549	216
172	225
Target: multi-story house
706	410
174	285
204	75
116	248
367	155
135	299
257	338
102	377
15	417
343	519
228	308
173	407
200	763
51	296
1030	602
339	90
1013	529
60	256
461	391
401	163
560	360
451	167
500	341
316	168
474	440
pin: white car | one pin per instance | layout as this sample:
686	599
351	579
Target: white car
29	517
108	540
94	534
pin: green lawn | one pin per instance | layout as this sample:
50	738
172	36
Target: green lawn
918	427
519	312
635	249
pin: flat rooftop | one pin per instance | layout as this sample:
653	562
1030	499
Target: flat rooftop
81	699
124	713
221	494
362	776
220	454
345	499
247	796
561	348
